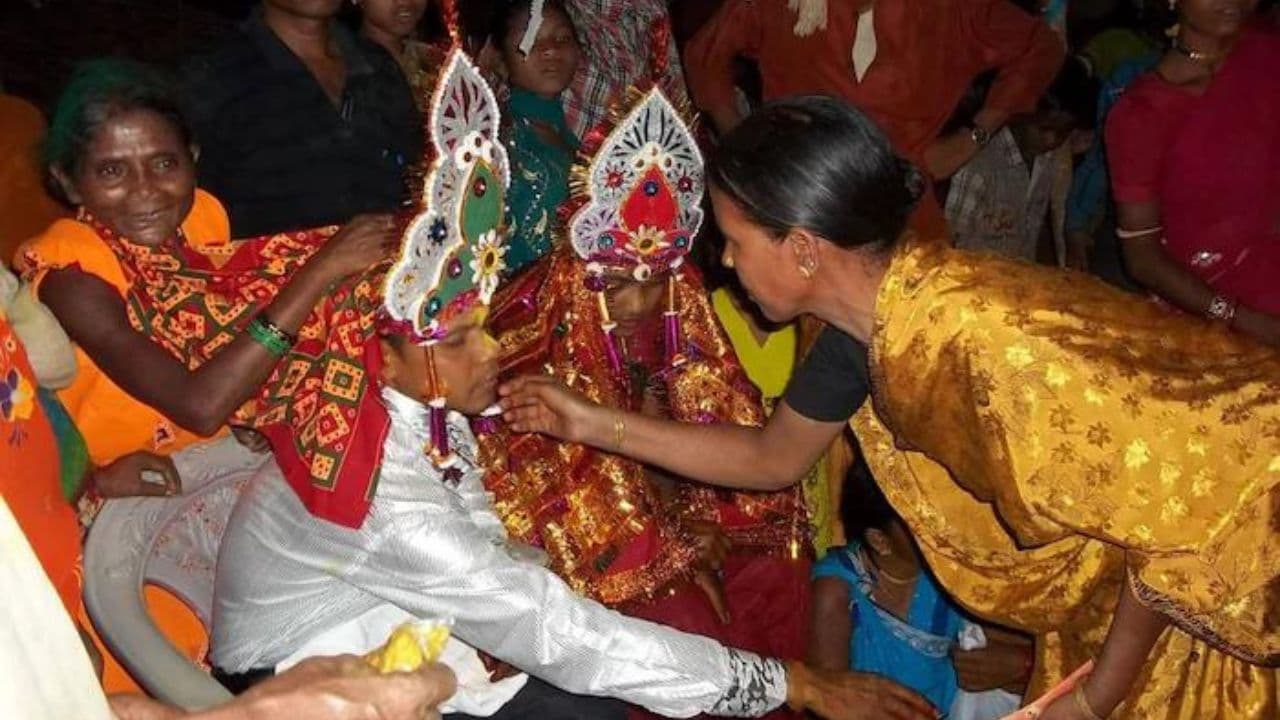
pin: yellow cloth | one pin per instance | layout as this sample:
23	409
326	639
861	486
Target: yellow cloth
769	367
113	423
1083	428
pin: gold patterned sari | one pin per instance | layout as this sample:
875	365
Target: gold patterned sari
1040	431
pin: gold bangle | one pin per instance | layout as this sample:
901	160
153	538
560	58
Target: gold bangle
1082	703
619	431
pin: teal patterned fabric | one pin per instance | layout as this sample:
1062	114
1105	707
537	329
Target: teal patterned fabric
73	454
539	176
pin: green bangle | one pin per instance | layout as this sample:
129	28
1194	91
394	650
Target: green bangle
262	334
274	329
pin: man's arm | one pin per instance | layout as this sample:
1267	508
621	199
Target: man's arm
734	31
1025	52
435	562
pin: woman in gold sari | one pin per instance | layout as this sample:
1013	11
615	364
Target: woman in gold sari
1074	462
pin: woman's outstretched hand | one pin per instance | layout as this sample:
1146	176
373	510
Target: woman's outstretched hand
542	404
839	695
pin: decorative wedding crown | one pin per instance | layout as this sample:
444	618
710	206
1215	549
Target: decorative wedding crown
452	252
640	193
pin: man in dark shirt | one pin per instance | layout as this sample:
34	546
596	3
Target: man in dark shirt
300	122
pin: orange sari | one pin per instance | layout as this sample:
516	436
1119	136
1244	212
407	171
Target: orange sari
113	422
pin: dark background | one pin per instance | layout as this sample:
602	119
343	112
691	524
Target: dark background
40	46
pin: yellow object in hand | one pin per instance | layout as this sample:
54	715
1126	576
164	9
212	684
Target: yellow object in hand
411	646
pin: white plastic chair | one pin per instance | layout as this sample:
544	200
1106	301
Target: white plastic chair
173	543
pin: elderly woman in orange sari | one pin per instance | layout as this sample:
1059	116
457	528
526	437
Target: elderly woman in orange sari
616	312
144	241
1073	462
144	236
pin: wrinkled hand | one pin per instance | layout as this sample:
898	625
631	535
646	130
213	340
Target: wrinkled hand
542	404
998	665
251	439
358	246
950	153
346	688
843	695
330	688
125	477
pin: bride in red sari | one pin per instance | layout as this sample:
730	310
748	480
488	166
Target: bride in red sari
1194	150
616	312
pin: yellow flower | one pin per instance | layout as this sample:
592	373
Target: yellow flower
1169	473
1196	447
1018	356
648	240
1174	510
1055	375
488	264
1203	483
1137	454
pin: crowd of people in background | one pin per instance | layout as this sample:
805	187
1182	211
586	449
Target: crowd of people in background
934	360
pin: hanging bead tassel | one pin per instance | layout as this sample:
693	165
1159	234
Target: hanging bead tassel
438	447
671	325
607	325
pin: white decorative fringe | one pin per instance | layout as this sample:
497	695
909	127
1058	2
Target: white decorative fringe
535	24
811	15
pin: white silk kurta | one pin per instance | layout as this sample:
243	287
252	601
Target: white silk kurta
439	551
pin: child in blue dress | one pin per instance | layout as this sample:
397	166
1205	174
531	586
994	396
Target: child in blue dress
876	607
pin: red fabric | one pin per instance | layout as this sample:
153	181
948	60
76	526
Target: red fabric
1212	162
768	601
928	52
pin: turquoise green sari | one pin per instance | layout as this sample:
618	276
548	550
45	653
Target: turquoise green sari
539	176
